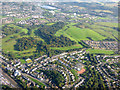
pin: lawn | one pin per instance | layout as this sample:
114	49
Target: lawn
22	61
99	51
74	73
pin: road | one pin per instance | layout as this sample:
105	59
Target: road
69	86
12	82
35	79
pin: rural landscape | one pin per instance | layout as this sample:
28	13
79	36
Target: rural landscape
60	45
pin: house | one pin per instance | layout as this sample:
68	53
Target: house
17	73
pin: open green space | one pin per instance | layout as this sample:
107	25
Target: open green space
49	23
99	51
97	31
109	24
22	29
77	34
36	81
74	73
67	48
9	41
19	19
22	61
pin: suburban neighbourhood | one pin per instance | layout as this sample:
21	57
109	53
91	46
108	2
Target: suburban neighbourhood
63	63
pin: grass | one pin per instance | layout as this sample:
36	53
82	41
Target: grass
105	29
9	45
108	24
29	61
36	81
102	18
97	31
107	11
77	34
74	73
22	29
99	51
67	48
50	24
22	61
19	19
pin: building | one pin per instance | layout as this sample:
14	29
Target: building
17	73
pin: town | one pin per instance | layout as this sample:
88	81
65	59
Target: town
59	45
66	64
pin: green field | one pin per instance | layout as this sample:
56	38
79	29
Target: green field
105	29
99	51
8	42
67	48
108	24
77	34
74	73
96	31
50	24
36	81
22	61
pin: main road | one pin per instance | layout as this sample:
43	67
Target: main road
12	82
